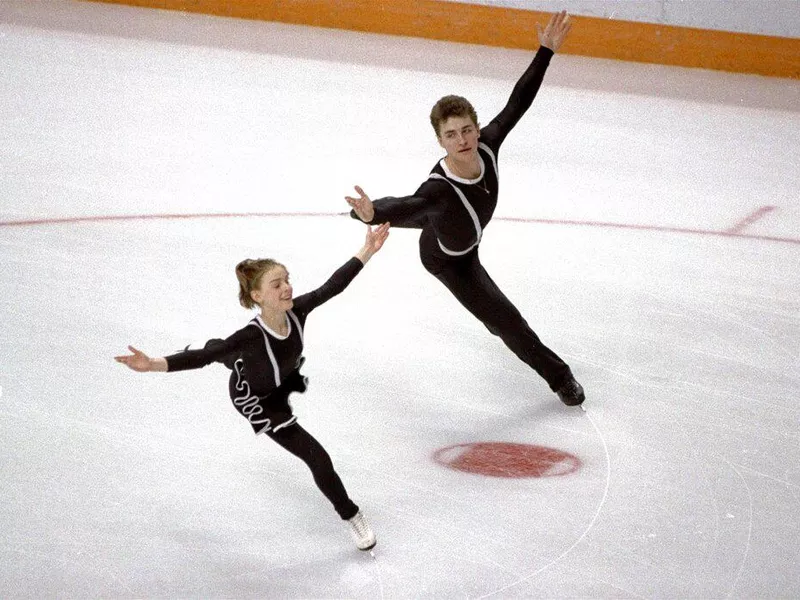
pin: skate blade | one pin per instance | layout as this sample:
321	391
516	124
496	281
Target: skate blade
370	550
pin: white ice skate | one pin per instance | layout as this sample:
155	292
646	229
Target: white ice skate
362	533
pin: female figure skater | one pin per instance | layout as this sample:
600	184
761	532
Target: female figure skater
456	202
265	358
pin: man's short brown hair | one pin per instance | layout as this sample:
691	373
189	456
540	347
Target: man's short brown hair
451	106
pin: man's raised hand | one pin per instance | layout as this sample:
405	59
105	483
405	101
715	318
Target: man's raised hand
556	31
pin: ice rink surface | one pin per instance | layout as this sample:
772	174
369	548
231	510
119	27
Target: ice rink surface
648	228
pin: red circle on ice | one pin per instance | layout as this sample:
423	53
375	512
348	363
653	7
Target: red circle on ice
504	459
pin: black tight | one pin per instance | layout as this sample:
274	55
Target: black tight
472	286
304	446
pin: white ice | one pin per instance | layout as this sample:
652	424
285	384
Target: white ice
118	484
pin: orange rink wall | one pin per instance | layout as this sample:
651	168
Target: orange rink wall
514	28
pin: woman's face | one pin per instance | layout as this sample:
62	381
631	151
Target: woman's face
274	292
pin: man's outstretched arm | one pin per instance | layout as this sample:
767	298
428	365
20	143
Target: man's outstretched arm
406	211
550	39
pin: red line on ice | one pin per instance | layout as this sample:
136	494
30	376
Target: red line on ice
731	233
751	218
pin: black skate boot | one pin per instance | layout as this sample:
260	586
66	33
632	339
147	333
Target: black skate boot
571	392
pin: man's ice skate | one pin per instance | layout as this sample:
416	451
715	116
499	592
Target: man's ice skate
362	533
571	392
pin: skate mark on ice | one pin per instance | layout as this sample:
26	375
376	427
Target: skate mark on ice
413	518
586	531
749	526
484	552
734	394
77	560
478	537
377	571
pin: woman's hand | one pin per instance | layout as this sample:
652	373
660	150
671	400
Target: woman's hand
557	29
374	241
139	361
362	205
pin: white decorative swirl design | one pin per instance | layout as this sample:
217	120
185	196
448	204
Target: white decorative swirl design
247	403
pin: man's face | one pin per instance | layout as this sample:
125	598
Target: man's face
459	137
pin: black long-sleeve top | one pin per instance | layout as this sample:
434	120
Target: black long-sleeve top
268	357
458	209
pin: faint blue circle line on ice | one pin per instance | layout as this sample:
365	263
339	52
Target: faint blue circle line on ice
586	531
731	233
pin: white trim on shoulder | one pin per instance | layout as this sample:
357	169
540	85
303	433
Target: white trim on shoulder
492	156
299	327
270	353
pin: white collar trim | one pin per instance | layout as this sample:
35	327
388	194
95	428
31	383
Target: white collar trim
454	177
272	333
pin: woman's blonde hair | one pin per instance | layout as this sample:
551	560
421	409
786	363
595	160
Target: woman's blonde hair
249	273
